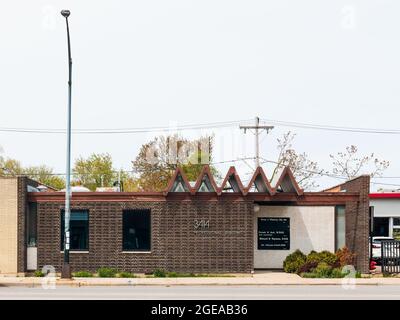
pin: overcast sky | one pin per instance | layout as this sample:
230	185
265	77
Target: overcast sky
162	63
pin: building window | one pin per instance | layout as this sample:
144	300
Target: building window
31	225
79	230
340	227
396	228
381	227
136	230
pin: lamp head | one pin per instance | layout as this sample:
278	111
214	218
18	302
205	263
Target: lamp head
65	13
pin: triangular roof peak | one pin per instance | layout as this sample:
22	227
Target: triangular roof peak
233	179
260	182
287	182
205	181
178	182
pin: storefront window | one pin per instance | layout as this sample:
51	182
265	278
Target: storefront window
340	227
136	230
79	230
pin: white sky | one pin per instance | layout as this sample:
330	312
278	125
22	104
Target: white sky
153	63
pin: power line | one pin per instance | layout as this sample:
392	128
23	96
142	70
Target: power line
331	128
111	171
326	174
210	125
321	173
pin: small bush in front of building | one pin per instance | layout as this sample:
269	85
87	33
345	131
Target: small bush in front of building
82	274
294	261
324	256
159	273
338	273
106	272
323	270
345	257
174	275
38	273
125	274
308	267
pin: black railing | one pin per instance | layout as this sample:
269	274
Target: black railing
390	254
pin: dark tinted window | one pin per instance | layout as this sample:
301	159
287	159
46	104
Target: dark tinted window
79	230
381	227
136	230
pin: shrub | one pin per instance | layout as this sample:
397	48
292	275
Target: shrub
125	274
323	270
309	275
38	273
159	273
106	272
294	261
323	256
313	256
82	274
174	275
308	267
345	257
337	273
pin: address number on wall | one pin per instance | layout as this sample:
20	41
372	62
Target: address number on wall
201	224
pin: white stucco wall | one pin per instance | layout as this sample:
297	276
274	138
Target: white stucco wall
311	228
386	207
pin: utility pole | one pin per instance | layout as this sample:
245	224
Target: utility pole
66	270
257	128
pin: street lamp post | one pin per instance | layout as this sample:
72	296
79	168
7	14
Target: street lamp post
66	270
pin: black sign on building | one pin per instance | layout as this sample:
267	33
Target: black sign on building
273	233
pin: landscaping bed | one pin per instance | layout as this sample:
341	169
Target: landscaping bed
322	264
105	272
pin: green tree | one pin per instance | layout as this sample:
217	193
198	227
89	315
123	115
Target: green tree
42	174
158	159
10	167
45	175
94	171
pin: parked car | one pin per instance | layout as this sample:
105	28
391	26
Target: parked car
376	247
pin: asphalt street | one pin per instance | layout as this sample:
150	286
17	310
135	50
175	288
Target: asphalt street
300	292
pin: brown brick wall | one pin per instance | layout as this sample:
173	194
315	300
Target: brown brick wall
227	246
23	183
357	221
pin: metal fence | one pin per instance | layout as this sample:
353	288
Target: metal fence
390	254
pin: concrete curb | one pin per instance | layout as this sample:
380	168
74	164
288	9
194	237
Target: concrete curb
240	281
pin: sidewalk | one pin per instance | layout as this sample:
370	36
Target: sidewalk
271	278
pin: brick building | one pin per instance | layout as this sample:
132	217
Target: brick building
200	227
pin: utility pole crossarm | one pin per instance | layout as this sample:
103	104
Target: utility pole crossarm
259	127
